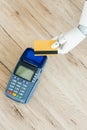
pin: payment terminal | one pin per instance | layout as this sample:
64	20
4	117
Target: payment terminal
24	79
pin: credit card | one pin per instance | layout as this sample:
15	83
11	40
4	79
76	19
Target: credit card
43	47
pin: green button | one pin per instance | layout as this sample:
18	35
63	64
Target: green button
18	96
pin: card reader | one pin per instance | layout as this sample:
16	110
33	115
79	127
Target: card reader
24	79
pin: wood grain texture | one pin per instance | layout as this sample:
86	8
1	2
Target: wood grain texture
60	101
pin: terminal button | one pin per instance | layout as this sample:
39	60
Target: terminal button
14	94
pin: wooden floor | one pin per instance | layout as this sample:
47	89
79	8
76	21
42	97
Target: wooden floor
60	101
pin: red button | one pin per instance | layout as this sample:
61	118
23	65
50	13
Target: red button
9	92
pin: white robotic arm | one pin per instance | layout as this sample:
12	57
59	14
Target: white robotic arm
83	20
71	39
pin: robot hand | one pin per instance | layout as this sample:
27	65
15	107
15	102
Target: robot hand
68	41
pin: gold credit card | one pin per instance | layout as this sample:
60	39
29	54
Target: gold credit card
43	47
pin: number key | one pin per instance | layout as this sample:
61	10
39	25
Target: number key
22	88
15	91
11	86
24	85
17	88
18	85
22	91
12	83
11	89
21	94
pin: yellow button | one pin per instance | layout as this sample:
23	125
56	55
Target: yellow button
14	94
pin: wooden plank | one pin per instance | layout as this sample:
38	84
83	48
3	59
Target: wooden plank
60	101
